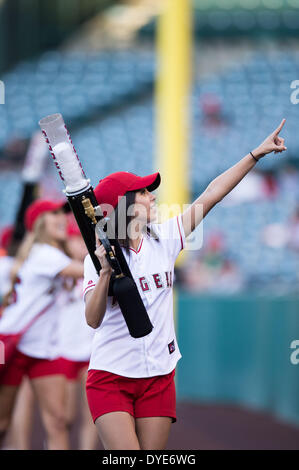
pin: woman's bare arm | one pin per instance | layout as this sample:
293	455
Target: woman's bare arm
75	270
224	183
96	300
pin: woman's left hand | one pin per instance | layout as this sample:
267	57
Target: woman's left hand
273	143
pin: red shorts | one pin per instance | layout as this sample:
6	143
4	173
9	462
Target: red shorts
22	365
144	397
72	369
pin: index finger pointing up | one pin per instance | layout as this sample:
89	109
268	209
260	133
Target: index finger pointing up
277	131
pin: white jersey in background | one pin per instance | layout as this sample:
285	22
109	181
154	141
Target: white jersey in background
75	336
6	263
152	267
37	290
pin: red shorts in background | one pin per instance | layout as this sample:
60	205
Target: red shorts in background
72	369
144	397
33	367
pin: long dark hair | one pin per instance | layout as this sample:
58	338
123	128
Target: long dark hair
121	211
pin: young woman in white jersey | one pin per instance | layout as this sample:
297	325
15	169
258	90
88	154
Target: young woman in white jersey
19	435
75	339
130	385
38	282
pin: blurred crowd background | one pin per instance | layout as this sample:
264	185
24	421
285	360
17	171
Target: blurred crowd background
104	89
95	62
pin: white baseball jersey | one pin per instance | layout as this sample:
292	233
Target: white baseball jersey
37	290
152	267
6	263
75	336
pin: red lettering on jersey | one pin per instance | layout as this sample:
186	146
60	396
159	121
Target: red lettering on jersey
144	284
157	279
168	278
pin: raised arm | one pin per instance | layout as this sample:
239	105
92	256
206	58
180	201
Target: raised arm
224	183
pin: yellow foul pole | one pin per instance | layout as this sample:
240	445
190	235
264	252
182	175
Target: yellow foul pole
174	42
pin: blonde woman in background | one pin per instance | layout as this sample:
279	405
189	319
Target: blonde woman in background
39	272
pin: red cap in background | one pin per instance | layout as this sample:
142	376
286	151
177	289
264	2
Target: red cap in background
6	236
39	207
72	228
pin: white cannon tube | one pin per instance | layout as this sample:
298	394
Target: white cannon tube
64	154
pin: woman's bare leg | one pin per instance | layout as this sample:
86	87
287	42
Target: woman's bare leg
51	394
20	430
8	395
88	436
71	402
117	431
153	432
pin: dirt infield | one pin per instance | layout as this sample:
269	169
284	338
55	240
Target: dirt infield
211	427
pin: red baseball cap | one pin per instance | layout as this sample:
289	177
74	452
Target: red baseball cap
39	207
117	184
72	228
6	236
